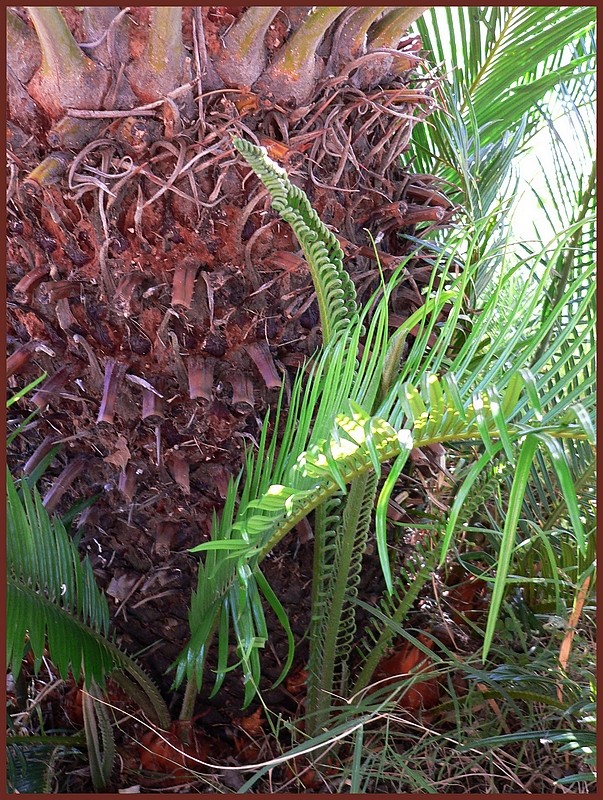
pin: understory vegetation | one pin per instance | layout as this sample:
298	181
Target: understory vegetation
429	449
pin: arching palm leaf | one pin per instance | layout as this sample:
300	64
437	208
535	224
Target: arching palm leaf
508	57
500	63
51	590
53	601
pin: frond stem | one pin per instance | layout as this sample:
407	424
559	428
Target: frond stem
389	30
61	54
319	699
299	52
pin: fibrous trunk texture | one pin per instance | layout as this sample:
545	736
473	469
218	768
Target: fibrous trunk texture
147	273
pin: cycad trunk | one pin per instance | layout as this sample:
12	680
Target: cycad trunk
148	275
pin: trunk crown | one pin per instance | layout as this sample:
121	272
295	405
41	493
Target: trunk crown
292	76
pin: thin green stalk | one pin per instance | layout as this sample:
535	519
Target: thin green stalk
320	534
190	697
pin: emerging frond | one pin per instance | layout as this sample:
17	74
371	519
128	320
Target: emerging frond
334	288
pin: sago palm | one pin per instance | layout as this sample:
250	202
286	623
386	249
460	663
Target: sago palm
362	407
148	277
151	288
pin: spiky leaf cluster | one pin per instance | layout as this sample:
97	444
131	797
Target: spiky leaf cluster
479	399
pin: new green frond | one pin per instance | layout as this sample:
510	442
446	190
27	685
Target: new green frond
334	289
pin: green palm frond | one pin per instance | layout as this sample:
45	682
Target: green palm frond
31	768
418	569
499	66
547	551
51	590
485	396
461	152
486	393
394	607
569	199
53	601
509	57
